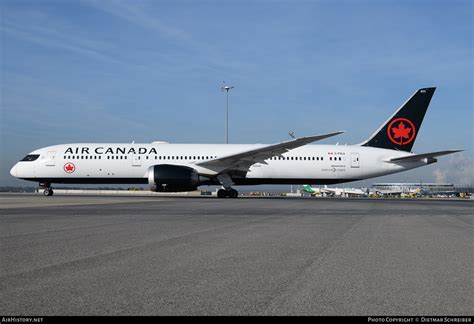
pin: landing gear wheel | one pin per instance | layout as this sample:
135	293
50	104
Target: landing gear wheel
221	193
232	193
48	192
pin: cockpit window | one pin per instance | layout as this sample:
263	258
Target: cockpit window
31	157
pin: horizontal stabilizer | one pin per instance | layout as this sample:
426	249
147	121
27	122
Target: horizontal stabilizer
418	157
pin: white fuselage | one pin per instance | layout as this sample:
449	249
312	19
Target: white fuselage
129	163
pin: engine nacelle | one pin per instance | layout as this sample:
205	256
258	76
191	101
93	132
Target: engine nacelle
172	178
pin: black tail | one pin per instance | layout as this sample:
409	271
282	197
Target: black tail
400	130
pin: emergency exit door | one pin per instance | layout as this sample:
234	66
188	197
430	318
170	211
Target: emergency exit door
355	163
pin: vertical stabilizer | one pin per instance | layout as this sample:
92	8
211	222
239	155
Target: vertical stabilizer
400	130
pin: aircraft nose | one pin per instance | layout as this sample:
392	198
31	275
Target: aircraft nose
13	171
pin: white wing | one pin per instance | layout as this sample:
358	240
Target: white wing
242	161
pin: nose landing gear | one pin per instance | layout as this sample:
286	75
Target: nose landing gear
48	191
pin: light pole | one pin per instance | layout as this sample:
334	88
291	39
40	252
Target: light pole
226	88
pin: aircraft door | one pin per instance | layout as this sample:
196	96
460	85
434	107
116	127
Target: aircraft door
50	158
136	160
355	163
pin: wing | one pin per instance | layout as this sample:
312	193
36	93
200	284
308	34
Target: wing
418	157
243	160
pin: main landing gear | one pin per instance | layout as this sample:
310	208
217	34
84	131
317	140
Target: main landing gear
224	193
48	191
227	191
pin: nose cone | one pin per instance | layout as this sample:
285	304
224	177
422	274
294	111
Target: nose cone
13	171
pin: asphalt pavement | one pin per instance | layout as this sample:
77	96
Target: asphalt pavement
209	256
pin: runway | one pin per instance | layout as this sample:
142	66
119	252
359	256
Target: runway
208	256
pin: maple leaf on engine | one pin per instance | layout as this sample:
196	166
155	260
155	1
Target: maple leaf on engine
401	132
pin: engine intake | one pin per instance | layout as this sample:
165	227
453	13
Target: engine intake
172	178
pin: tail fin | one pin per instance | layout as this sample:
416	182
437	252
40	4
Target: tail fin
400	130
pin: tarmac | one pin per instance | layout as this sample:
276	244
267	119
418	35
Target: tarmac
65	255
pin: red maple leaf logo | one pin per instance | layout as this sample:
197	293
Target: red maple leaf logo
403	131
69	167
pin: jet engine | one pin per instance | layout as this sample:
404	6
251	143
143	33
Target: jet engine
173	178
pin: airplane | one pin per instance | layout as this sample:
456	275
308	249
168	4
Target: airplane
387	192
169	167
335	191
312	191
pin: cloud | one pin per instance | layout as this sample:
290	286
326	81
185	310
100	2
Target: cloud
440	175
459	170
136	14
204	54
60	38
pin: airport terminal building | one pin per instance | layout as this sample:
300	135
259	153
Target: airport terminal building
431	188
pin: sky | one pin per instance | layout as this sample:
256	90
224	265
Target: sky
123	71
